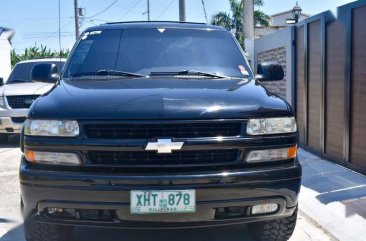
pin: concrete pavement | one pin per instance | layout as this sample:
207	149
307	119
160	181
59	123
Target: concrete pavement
333	196
11	228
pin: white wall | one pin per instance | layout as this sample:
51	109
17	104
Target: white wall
5	61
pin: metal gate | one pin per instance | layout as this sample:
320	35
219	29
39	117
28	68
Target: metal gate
330	82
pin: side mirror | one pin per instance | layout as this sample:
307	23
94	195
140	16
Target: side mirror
1	81
45	72
270	71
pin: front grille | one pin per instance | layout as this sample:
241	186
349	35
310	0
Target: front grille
133	158
21	101
150	131
18	119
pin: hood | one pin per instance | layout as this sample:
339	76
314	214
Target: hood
158	98
34	88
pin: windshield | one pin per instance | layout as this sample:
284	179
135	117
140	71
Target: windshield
22	71
150	50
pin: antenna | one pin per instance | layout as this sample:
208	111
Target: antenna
59	33
204	10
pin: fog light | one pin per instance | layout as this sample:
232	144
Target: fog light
264	208
55	158
61	212
54	210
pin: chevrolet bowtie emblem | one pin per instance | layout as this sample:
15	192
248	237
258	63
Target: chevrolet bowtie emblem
164	146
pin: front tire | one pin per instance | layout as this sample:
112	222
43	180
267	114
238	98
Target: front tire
276	230
34	231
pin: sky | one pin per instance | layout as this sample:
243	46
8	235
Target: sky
36	21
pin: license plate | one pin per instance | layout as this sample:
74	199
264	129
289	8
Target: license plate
164	201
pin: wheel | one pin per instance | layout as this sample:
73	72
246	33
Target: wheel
3	138
34	231
276	230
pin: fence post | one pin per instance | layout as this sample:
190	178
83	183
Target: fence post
306	81
347	19
323	87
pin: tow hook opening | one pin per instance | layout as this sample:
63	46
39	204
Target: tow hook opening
80	214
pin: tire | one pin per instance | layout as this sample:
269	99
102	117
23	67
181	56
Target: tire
276	230
4	138
34	231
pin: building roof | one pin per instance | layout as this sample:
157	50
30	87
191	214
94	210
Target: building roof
289	11
6	33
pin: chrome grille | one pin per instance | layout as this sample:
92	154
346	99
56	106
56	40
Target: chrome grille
178	158
151	131
21	101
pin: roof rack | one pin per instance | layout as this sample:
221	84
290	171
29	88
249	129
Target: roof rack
155	22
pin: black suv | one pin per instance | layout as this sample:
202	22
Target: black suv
159	125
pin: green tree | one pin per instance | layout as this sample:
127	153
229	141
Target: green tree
234	19
37	52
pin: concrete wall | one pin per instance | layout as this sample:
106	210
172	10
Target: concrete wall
278	55
263	31
278	47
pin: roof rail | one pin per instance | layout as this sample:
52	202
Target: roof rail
154	22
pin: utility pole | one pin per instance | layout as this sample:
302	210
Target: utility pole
148	10
182	10
248	29
76	15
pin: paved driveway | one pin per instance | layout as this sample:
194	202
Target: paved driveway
11	228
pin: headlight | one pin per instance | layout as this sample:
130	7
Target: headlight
272	155
2	102
271	126
51	128
55	158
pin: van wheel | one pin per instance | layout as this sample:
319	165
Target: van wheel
276	230
3	138
35	231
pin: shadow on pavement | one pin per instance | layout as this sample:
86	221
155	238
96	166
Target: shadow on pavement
233	233
15	234
13	142
229	233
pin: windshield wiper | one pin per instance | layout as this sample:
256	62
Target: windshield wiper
190	72
105	72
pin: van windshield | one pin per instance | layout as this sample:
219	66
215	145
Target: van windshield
152	50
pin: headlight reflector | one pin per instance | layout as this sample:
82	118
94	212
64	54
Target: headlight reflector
272	155
271	126
2	102
51	128
55	158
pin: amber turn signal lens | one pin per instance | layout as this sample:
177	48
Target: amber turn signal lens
292	152
30	155
54	158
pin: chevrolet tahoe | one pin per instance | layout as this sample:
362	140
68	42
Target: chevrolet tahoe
159	125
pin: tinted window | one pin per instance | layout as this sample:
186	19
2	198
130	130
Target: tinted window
149	50
22	71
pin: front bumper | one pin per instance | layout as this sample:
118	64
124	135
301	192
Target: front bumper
42	189
7	123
